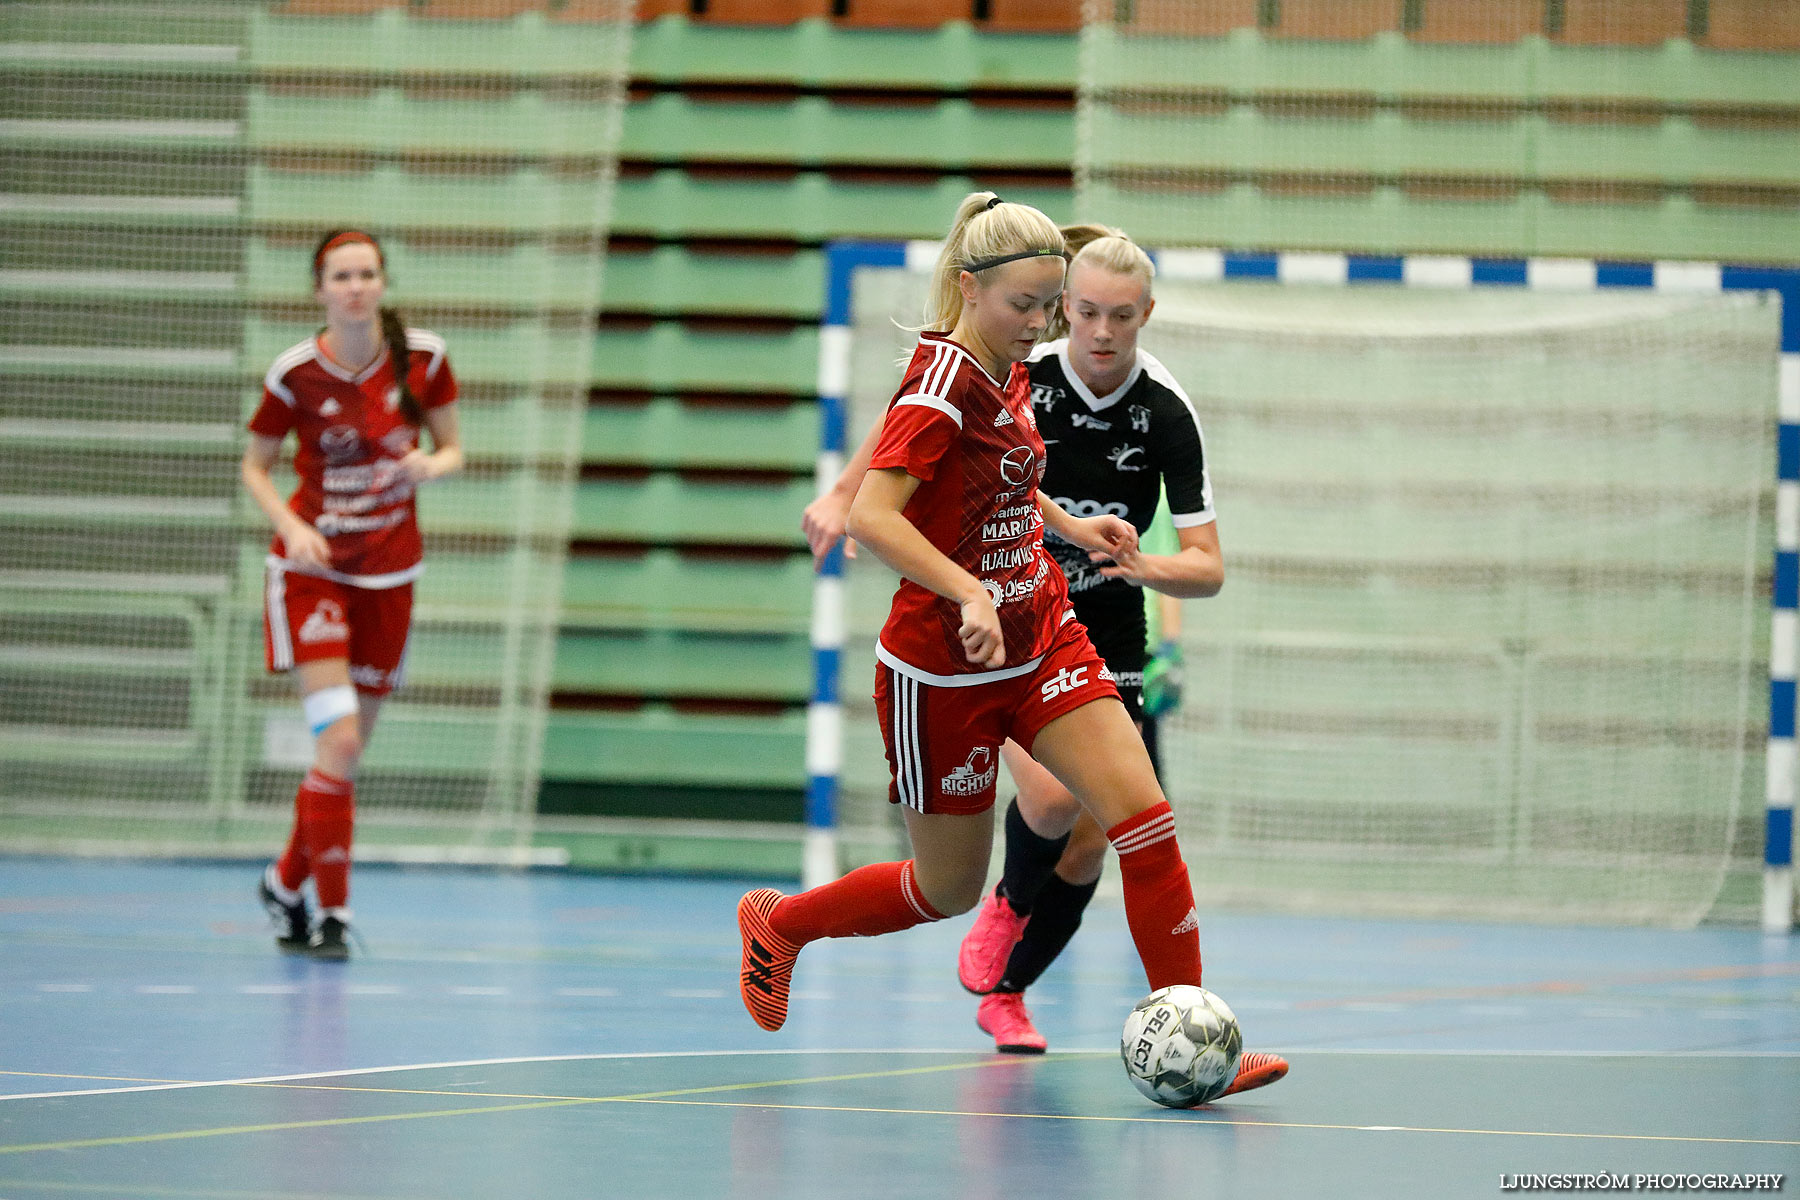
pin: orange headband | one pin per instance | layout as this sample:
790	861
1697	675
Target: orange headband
346	238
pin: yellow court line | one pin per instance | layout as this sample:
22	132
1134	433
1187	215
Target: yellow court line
551	1102
1164	1120
100	1078
635	1096
141	1190
673	1098
182	1134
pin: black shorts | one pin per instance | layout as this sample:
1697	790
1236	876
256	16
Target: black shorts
1119	634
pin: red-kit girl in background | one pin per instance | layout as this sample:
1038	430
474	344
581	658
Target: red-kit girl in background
338	597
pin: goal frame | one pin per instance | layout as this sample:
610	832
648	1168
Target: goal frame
825	721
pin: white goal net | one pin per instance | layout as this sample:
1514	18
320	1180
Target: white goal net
1489	639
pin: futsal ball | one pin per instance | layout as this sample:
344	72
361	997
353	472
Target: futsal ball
1181	1046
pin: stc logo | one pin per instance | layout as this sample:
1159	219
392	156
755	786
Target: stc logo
1016	465
1065	680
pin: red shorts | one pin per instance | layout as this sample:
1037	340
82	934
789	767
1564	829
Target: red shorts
943	740
306	618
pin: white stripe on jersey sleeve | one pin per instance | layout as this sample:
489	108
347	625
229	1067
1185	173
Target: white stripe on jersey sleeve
935	383
1154	369
287	360
942	406
424	339
1045	349
939	375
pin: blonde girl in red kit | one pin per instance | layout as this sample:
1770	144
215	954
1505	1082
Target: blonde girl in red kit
980	644
338	598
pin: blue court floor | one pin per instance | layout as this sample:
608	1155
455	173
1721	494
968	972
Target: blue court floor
552	1035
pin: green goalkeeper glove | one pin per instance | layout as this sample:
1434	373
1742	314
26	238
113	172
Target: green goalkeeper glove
1162	680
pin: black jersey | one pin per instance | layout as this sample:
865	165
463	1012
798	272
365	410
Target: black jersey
1115	454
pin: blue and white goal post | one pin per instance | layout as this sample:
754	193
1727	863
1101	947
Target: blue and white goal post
825	724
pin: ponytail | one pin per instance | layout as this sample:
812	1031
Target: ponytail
987	232
393	329
1075	239
393	332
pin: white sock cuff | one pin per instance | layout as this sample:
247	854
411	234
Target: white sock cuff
272	878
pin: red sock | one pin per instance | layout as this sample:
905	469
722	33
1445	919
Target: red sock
294	865
1159	899
326	818
869	901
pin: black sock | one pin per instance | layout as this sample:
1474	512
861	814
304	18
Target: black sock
1054	919
1030	860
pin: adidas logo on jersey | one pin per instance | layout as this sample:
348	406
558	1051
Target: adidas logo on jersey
331	407
1189	924
1005	418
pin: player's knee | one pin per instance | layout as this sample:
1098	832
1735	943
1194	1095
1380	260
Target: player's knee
339	747
332	715
955	897
1049	812
1084	857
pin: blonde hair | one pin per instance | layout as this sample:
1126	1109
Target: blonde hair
1105	247
985	228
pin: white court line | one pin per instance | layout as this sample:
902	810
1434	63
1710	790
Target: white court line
470	1062
817	1050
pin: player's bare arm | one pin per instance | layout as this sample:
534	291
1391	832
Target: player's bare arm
1194	573
826	518
446	454
878	521
305	545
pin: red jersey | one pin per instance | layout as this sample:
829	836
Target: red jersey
352	438
973	442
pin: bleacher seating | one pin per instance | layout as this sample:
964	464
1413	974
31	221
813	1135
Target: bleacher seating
757	132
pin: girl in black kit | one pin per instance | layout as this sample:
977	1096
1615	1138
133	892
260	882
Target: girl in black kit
1118	430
